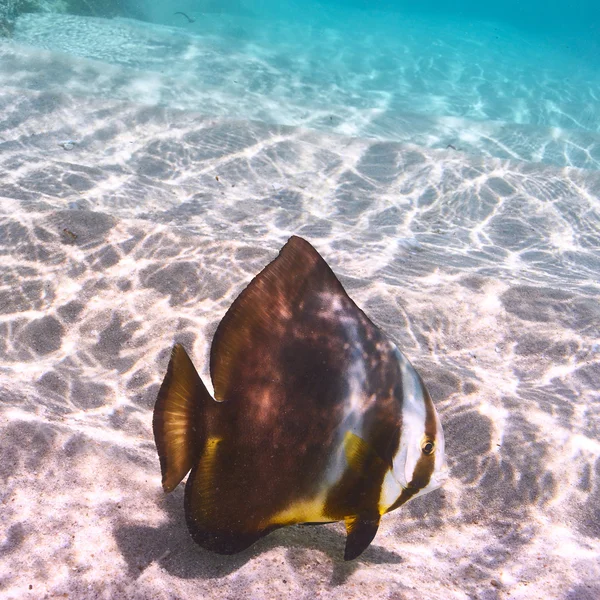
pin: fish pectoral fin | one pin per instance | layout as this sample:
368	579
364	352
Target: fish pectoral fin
360	534
361	457
178	420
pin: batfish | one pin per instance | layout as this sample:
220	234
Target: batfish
317	416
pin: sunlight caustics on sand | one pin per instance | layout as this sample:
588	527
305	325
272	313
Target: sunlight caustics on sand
148	172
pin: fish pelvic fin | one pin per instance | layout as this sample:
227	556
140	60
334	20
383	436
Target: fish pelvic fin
178	420
360	532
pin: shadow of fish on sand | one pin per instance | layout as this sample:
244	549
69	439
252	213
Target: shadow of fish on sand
171	547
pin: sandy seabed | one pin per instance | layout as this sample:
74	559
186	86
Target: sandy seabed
143	230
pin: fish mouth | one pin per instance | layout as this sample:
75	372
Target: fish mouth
439	479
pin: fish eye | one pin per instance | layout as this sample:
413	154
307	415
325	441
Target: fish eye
428	447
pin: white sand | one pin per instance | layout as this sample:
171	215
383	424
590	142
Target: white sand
484	271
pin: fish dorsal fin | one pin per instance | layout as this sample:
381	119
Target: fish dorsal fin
361	458
257	321
178	418
360	534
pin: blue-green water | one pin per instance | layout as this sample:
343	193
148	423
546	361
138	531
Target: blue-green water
443	159
517	81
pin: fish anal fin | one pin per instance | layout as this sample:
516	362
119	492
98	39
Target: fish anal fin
361	458
360	534
178	422
215	512
224	541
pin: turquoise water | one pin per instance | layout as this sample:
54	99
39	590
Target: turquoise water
518	81
444	159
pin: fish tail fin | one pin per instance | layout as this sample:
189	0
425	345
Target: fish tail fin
179	418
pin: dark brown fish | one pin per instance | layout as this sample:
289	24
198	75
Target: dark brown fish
318	416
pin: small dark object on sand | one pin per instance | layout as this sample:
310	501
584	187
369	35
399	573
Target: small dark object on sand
68	235
190	19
